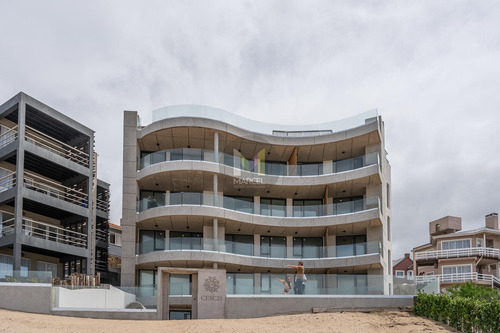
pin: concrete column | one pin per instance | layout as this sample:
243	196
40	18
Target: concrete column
289	207
18	201
256	245
257	282
216	191
167	239
216	234
289	246
130	190
256	205
216	147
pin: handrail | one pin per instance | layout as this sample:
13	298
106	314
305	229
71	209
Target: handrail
33	228
9	136
8	181
456	253
460	277
102	205
7	227
39	184
57	146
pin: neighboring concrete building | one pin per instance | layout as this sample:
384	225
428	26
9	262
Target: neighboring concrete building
204	188
115	253
403	268
53	210
456	256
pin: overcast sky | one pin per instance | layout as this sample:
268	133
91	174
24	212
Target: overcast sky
431	68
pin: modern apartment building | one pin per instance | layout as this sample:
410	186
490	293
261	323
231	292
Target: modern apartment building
53	209
455	256
204	188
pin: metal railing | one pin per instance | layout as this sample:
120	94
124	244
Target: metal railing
101	265
7	227
39	184
8	181
60	148
46	231
459	253
8	137
101	235
460	277
102	205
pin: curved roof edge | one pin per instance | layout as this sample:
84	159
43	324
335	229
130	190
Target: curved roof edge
207	112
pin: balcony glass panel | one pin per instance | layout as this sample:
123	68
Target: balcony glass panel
273	207
180	284
276	168
185	240
239	244
241	204
239	283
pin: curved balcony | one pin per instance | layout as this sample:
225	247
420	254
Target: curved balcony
485	279
200	249
260	167
203	112
200	204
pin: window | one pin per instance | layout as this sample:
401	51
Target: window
388	196
240	244
185	240
239	283
308	208
241	204
389	228
307	247
186	198
48	267
351	245
457	269
147	282
275	168
115	239
151	199
7	266
180	284
400	274
455	244
151	241
347	205
479	242
273	247
310	169
409	275
273	207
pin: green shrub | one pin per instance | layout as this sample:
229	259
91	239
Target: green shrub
474	291
467	314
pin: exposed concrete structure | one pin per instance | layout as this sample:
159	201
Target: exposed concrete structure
54	211
206	189
454	256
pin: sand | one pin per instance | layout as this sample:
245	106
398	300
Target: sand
380	321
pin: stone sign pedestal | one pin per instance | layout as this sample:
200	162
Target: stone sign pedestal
211	298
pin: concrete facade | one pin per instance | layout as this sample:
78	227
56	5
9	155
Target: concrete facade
54	211
199	192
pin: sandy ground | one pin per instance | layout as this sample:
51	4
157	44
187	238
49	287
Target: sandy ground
381	321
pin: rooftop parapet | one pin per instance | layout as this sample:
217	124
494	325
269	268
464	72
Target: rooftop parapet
207	112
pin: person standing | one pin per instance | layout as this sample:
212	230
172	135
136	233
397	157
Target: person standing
300	276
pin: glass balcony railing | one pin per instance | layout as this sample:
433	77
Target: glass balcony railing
269	284
249	249
258	166
245	206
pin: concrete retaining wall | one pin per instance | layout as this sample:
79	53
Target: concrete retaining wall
254	306
27	297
